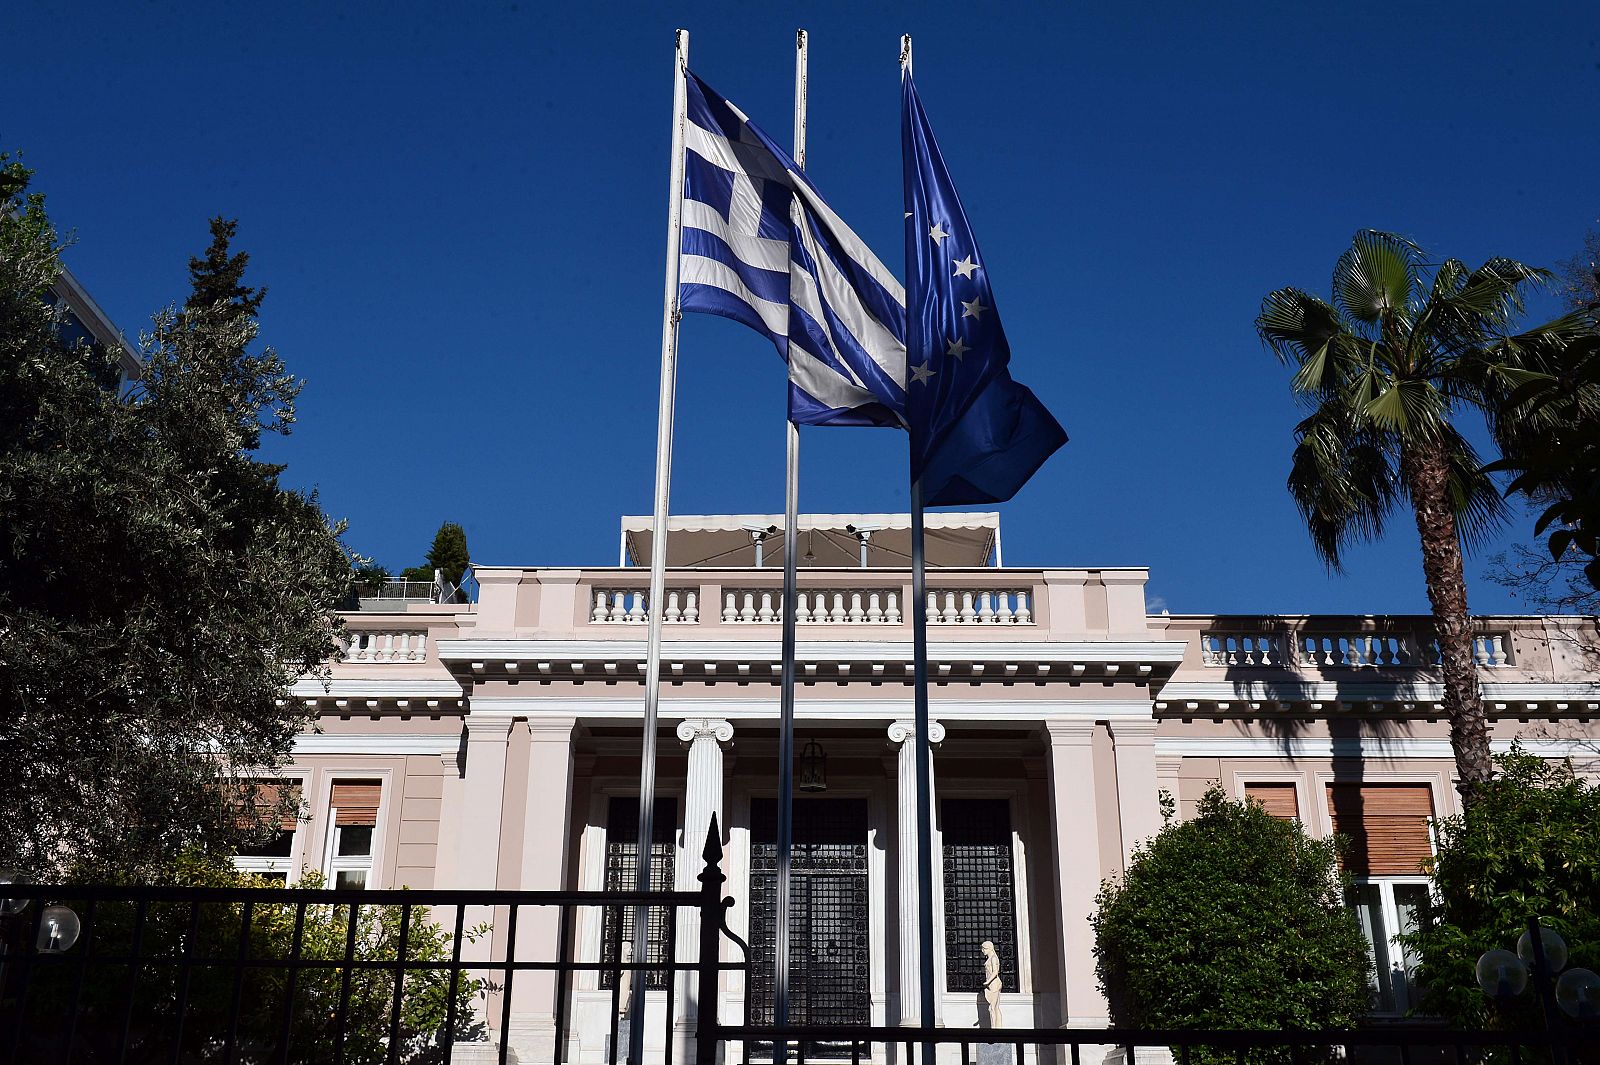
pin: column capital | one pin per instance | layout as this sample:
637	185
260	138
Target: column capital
691	729
483	727
551	727
1137	731
901	731
1069	731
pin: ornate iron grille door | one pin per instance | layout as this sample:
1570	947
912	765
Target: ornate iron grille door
622	865
828	952
980	899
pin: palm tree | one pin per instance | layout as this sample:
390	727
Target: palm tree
1384	369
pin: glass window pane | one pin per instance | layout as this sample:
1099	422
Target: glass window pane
1367	901
278	846
355	841
1411	903
350	878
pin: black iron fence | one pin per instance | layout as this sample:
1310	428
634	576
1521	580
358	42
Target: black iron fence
276	976
271	976
1395	1044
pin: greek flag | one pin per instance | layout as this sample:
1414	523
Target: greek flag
760	247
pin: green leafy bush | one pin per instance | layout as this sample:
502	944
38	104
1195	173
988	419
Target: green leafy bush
1529	848
1234	919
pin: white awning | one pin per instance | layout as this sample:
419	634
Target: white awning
952	539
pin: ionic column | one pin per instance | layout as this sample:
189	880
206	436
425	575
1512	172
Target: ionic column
904	733
1077	851
1138	788
702	797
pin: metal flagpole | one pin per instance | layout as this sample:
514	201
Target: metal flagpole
658	546
919	655
791	541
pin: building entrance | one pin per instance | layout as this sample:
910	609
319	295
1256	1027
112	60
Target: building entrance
828	983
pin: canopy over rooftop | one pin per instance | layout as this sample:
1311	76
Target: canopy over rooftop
831	540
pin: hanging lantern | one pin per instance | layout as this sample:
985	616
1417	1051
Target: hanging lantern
813	768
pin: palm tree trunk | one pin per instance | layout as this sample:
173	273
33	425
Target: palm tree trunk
1427	476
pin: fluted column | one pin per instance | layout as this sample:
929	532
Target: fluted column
904	733
702	797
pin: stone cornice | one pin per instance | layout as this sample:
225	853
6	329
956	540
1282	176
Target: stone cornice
1163	651
1501	698
949	711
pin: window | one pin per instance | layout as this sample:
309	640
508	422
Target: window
354	816
980	901
274	858
622	866
1387	910
1387	829
1277	796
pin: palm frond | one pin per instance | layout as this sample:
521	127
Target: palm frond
1342	480
1294	324
1410	409
1377	276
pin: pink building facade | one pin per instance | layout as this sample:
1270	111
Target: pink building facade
496	744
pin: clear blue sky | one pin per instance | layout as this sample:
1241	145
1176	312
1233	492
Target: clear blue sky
460	211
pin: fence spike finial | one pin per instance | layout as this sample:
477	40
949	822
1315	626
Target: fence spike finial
712	854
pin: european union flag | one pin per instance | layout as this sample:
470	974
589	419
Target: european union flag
976	435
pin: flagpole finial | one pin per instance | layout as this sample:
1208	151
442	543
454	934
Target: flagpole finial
905	53
800	38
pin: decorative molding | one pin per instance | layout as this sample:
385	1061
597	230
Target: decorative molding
763	708
901	731
1069	732
310	743
469	650
482	726
1356	747
397	688
1134	732
551	727
1331	691
690	729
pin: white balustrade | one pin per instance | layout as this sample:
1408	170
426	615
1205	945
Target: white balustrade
1342	650
1008	606
631	606
1379	650
1489	649
853	606
1241	649
377	646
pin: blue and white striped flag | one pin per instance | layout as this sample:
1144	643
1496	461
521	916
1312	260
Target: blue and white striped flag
760	247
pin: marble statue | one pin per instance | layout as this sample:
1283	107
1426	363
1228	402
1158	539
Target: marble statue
625	980
991	983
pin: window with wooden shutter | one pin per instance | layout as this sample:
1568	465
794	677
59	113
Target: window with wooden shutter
1386	825
351	843
355	802
1277	796
271	858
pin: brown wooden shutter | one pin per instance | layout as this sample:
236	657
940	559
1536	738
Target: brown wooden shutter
269	794
356	801
1386	824
1278	797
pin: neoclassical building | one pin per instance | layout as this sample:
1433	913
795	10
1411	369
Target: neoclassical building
496	744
